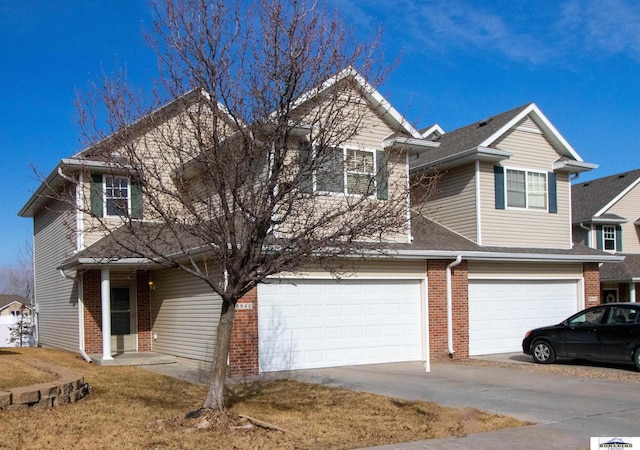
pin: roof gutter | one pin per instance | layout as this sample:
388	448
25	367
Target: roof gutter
497	256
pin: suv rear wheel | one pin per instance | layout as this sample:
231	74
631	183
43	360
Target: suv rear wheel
543	353
636	358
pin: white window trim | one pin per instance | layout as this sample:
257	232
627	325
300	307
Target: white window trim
526	193
104	195
345	172
606	228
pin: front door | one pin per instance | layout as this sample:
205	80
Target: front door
123	323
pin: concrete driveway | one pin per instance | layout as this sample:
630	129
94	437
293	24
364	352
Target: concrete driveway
567	410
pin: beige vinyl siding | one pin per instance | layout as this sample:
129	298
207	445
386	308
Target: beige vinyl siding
523	227
453	203
629	208
383	268
184	316
57	297
511	270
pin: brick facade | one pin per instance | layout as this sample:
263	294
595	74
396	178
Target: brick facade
437	289
243	351
591	276
143	305
92	299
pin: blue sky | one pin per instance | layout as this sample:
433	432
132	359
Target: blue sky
460	61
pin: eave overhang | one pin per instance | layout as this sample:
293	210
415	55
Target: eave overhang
100	263
55	179
572	166
499	256
603	221
483	154
412	145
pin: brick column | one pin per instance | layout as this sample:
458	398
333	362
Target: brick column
437	289
91	298
143	302
591	276
243	351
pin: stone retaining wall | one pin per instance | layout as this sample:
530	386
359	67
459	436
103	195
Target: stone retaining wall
68	388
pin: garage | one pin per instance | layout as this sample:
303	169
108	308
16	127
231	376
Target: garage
305	324
501	311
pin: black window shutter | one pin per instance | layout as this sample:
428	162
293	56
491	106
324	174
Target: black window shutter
599	238
553	192
382	175
498	177
95	195
618	238
136	201
306	183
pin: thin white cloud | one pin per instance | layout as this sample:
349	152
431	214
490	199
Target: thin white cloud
544	31
607	26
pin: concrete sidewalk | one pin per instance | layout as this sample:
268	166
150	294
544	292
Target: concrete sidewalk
567	410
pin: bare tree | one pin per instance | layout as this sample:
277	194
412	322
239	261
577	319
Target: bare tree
238	176
17	279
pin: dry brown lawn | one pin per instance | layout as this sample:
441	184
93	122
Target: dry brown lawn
129	407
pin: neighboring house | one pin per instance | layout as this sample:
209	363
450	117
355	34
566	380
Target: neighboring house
493	258
606	216
13	305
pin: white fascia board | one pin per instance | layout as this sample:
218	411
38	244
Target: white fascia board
433	129
573	166
608	220
499	256
380	104
617	198
543	122
102	262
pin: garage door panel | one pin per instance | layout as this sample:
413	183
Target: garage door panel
324	323
500	312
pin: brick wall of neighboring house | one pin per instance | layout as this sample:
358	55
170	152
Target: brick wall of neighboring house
143	311
591	276
436	274
243	351
92	311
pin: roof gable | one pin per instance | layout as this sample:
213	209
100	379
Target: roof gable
477	141
592	199
375	100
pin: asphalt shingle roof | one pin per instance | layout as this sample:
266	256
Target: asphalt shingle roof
589	197
470	136
623	271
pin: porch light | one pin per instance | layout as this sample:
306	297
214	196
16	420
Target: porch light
152	285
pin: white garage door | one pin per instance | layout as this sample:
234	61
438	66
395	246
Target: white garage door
501	312
325	323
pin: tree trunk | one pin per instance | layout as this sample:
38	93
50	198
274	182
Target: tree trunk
215	395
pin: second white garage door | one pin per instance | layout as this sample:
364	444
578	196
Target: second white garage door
325	323
501	312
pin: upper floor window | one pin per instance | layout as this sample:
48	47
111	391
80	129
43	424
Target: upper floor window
116	195
526	189
609	237
352	172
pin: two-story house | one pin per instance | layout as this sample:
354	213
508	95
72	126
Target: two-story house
492	257
606	216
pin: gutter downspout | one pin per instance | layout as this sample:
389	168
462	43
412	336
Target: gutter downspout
588	233
449	306
84	355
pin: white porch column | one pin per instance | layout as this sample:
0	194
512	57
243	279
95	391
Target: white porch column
105	288
632	292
